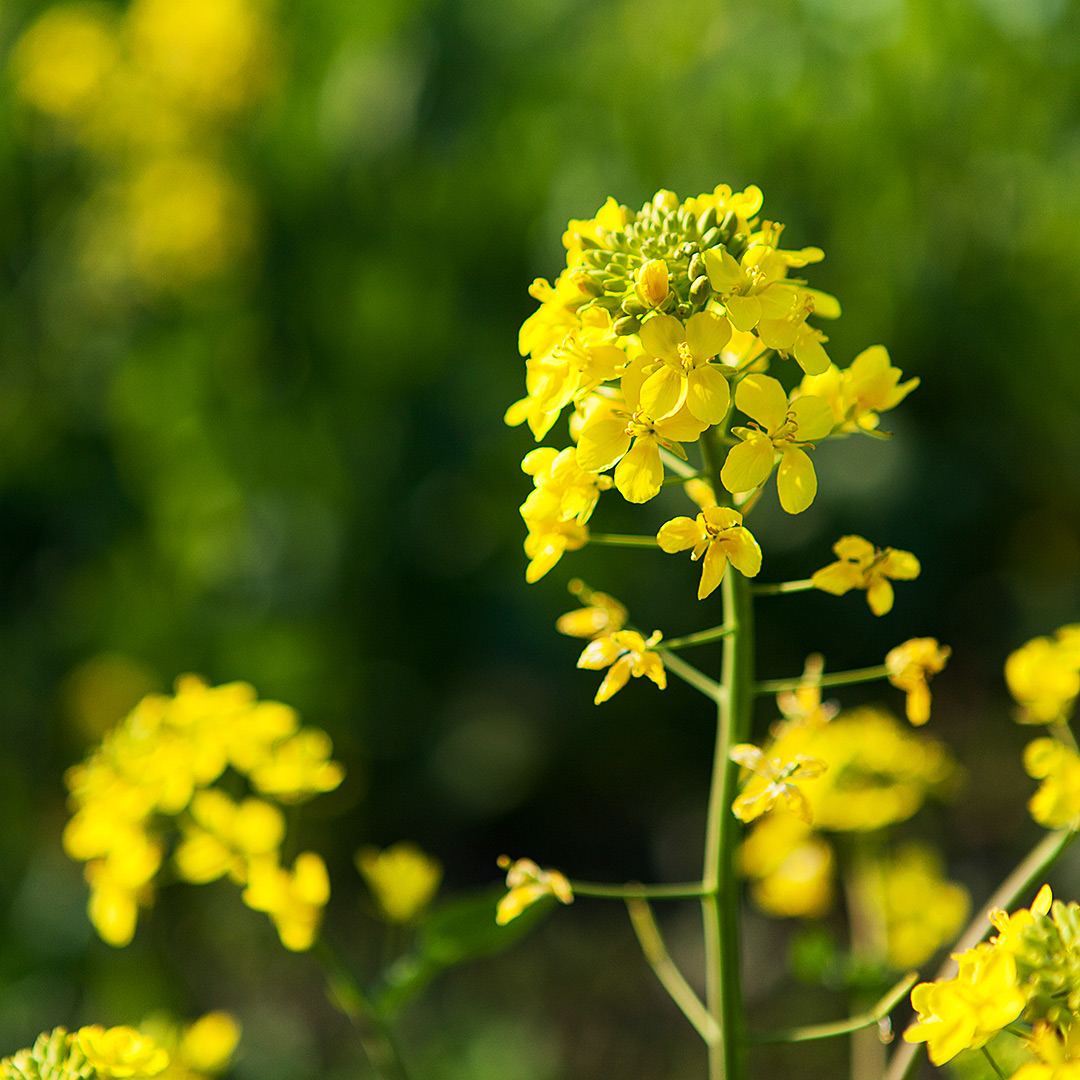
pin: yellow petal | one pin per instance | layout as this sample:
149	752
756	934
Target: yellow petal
748	465
661	335
641	472
614	681
743	311
680	533
837	578
796	480
880	596
712	570
743	551
663	392
706	334
763	398
901	565
814	417
602	443
708	394
811	355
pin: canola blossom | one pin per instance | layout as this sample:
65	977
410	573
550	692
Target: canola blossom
1043	676
527	884
153	776
860	565
402	879
910	667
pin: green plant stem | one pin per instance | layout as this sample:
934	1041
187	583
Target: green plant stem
690	674
700	637
680	991
679	466
346	995
687	890
905	1060
875	1015
782	587
837	678
993	1064
620	540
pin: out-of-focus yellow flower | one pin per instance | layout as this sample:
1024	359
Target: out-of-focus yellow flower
528	884
1044	676
791	868
1011	928
910	667
1057	802
601	614
294	900
967	1011
401	878
188	220
785	428
803	705
62	61
862	566
121	1052
1058	1053
207	1045
922	910
880	772
212	56
774	781
625	653
718	534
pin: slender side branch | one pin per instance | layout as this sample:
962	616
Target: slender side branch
782	587
690	674
652	945
905	1060
700	637
621	540
345	994
678	466
688	890
843	1027
837	678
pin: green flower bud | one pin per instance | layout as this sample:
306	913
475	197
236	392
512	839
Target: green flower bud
700	289
737	245
707	220
728	226
633	306
711	237
697	267
627	325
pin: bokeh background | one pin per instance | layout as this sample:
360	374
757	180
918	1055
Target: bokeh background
261	272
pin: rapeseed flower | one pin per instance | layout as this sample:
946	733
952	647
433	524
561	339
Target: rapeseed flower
910	667
601	614
858	394
402	879
774	781
785	428
1057	802
791	868
624	653
1044	676
716	536
860	565
527	885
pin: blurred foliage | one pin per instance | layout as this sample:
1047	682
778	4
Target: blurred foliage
261	272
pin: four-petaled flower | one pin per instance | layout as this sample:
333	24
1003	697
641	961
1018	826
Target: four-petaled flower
626	653
860	565
785	427
910	667
718	534
773	780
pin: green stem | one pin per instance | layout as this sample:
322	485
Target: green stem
688	890
346	995
700	637
690	674
678	466
875	1015
671	978
993	1064
619	540
837	678
783	587
905	1060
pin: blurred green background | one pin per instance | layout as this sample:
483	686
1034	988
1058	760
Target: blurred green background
261	272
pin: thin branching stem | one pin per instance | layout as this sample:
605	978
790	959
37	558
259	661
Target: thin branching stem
620	540
700	637
690	674
684	890
837	678
777	588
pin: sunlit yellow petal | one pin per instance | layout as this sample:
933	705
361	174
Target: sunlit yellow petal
706	334
679	533
708	394
763	398
713	566
661	335
748	464
663	392
796	480
641	472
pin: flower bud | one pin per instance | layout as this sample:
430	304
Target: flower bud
707	220
728	226
627	325
633	306
700	289
712	236
651	283
697	266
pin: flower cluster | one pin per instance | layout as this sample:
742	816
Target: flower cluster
1029	972
402	879
158	1050
662	321
158	767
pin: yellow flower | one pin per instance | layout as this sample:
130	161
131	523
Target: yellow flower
774	779
910	667
718	534
602	614
871	385
528	884
293	900
1044	676
686	374
651	283
402	879
563	491
120	1052
862	566
626	653
1057	802
1058	1053
967	1011
208	1044
785	428
792	869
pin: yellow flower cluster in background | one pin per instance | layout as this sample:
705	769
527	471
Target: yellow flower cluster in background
156	770
148	93
1044	676
661	322
159	1049
402	879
